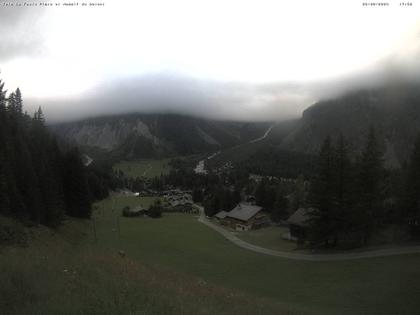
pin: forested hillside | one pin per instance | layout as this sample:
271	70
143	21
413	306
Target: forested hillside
393	110
38	182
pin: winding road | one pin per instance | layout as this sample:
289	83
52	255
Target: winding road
414	249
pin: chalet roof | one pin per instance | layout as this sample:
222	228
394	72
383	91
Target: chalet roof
300	217
243	211
175	203
221	214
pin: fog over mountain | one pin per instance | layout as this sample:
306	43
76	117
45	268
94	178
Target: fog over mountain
264	60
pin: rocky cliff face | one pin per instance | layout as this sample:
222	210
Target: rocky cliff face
393	111
105	135
149	135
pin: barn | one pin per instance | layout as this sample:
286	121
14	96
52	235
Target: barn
221	216
298	224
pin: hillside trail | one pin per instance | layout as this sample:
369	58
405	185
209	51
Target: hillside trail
200	168
148	168
413	249
264	136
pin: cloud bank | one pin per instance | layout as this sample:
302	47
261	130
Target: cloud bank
259	60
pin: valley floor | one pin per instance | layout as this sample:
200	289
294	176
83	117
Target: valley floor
144	168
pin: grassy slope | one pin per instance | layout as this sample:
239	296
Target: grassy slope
177	242
66	272
182	252
146	168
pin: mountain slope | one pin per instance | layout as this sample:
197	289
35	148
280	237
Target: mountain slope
156	135
393	111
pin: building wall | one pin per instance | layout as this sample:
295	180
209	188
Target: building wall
256	222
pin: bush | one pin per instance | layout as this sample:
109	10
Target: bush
155	210
126	212
12	233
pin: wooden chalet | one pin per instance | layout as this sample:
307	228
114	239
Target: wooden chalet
243	217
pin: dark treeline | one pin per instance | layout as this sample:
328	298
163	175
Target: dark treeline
280	198
274	161
102	179
38	182
354	196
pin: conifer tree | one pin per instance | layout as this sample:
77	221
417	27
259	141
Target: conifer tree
412	190
32	168
76	186
11	104
18	101
280	207
4	192
369	183
322	196
343	186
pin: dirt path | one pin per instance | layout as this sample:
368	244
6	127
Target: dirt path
89	160
307	257
148	168
264	136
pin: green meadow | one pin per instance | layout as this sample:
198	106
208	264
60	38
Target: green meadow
144	168
176	265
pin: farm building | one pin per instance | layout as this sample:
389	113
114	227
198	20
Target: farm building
298	224
134	212
220	216
179	200
243	217
250	199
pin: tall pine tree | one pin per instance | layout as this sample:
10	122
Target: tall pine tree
322	197
371	172
412	191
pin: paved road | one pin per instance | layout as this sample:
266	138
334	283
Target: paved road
307	257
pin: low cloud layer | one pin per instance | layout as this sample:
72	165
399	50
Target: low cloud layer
173	93
21	31
263	60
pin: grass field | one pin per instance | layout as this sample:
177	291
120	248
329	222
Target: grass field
176	252
145	168
178	242
66	272
269	237
116	203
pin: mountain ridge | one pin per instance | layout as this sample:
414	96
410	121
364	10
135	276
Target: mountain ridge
394	112
139	135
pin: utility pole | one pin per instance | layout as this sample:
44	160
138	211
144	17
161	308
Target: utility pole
119	232
94	229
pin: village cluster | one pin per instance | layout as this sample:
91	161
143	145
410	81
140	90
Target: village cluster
244	216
